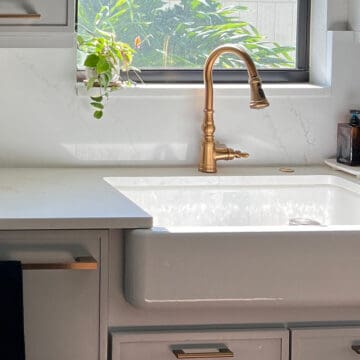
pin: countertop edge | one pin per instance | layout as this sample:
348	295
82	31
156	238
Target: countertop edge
75	223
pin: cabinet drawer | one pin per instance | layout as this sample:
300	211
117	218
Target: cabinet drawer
34	13
325	343
244	345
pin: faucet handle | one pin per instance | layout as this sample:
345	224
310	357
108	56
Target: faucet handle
239	154
224	153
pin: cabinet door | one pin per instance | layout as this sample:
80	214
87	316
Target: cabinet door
172	345
34	13
61	307
326	343
37	23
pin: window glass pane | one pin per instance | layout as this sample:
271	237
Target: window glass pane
179	34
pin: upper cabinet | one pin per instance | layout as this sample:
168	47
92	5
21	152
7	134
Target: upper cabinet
37	23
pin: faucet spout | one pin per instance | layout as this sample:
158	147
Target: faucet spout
209	153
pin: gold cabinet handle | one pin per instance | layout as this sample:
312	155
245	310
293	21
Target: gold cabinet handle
79	263
356	348
20	16
222	353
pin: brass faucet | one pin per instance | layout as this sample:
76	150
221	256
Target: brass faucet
209	152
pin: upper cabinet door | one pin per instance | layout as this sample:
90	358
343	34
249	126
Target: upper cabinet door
37	23
34	13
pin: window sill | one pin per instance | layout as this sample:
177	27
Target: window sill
228	90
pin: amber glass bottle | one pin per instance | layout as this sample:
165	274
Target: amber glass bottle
348	141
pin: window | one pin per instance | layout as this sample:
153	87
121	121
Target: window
174	37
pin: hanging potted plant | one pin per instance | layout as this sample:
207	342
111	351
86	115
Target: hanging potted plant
106	59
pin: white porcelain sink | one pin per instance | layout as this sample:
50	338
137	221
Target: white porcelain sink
231	241
235	201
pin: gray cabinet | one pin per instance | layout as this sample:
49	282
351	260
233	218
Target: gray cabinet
37	23
61	307
326	343
34	13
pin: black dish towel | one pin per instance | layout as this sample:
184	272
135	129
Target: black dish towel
12	343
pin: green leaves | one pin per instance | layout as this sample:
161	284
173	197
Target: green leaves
105	57
183	34
91	60
98	114
97	105
103	65
96	98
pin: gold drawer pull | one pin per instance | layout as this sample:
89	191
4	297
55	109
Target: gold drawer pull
222	353
20	16
356	348
80	263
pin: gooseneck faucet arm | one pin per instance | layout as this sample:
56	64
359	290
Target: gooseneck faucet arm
209	152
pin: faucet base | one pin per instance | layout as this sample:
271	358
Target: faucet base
208	170
210	155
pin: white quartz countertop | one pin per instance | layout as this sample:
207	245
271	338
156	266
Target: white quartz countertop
65	199
73	198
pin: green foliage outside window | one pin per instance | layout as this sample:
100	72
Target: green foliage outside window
181	36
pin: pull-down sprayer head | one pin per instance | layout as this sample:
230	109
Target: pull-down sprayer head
257	96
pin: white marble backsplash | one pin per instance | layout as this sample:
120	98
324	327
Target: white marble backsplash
45	123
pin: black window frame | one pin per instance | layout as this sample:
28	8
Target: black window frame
194	76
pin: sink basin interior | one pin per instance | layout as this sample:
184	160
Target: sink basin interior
232	201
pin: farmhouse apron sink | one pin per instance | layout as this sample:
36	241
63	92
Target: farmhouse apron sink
268	240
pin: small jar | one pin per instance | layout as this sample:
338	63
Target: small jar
348	141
